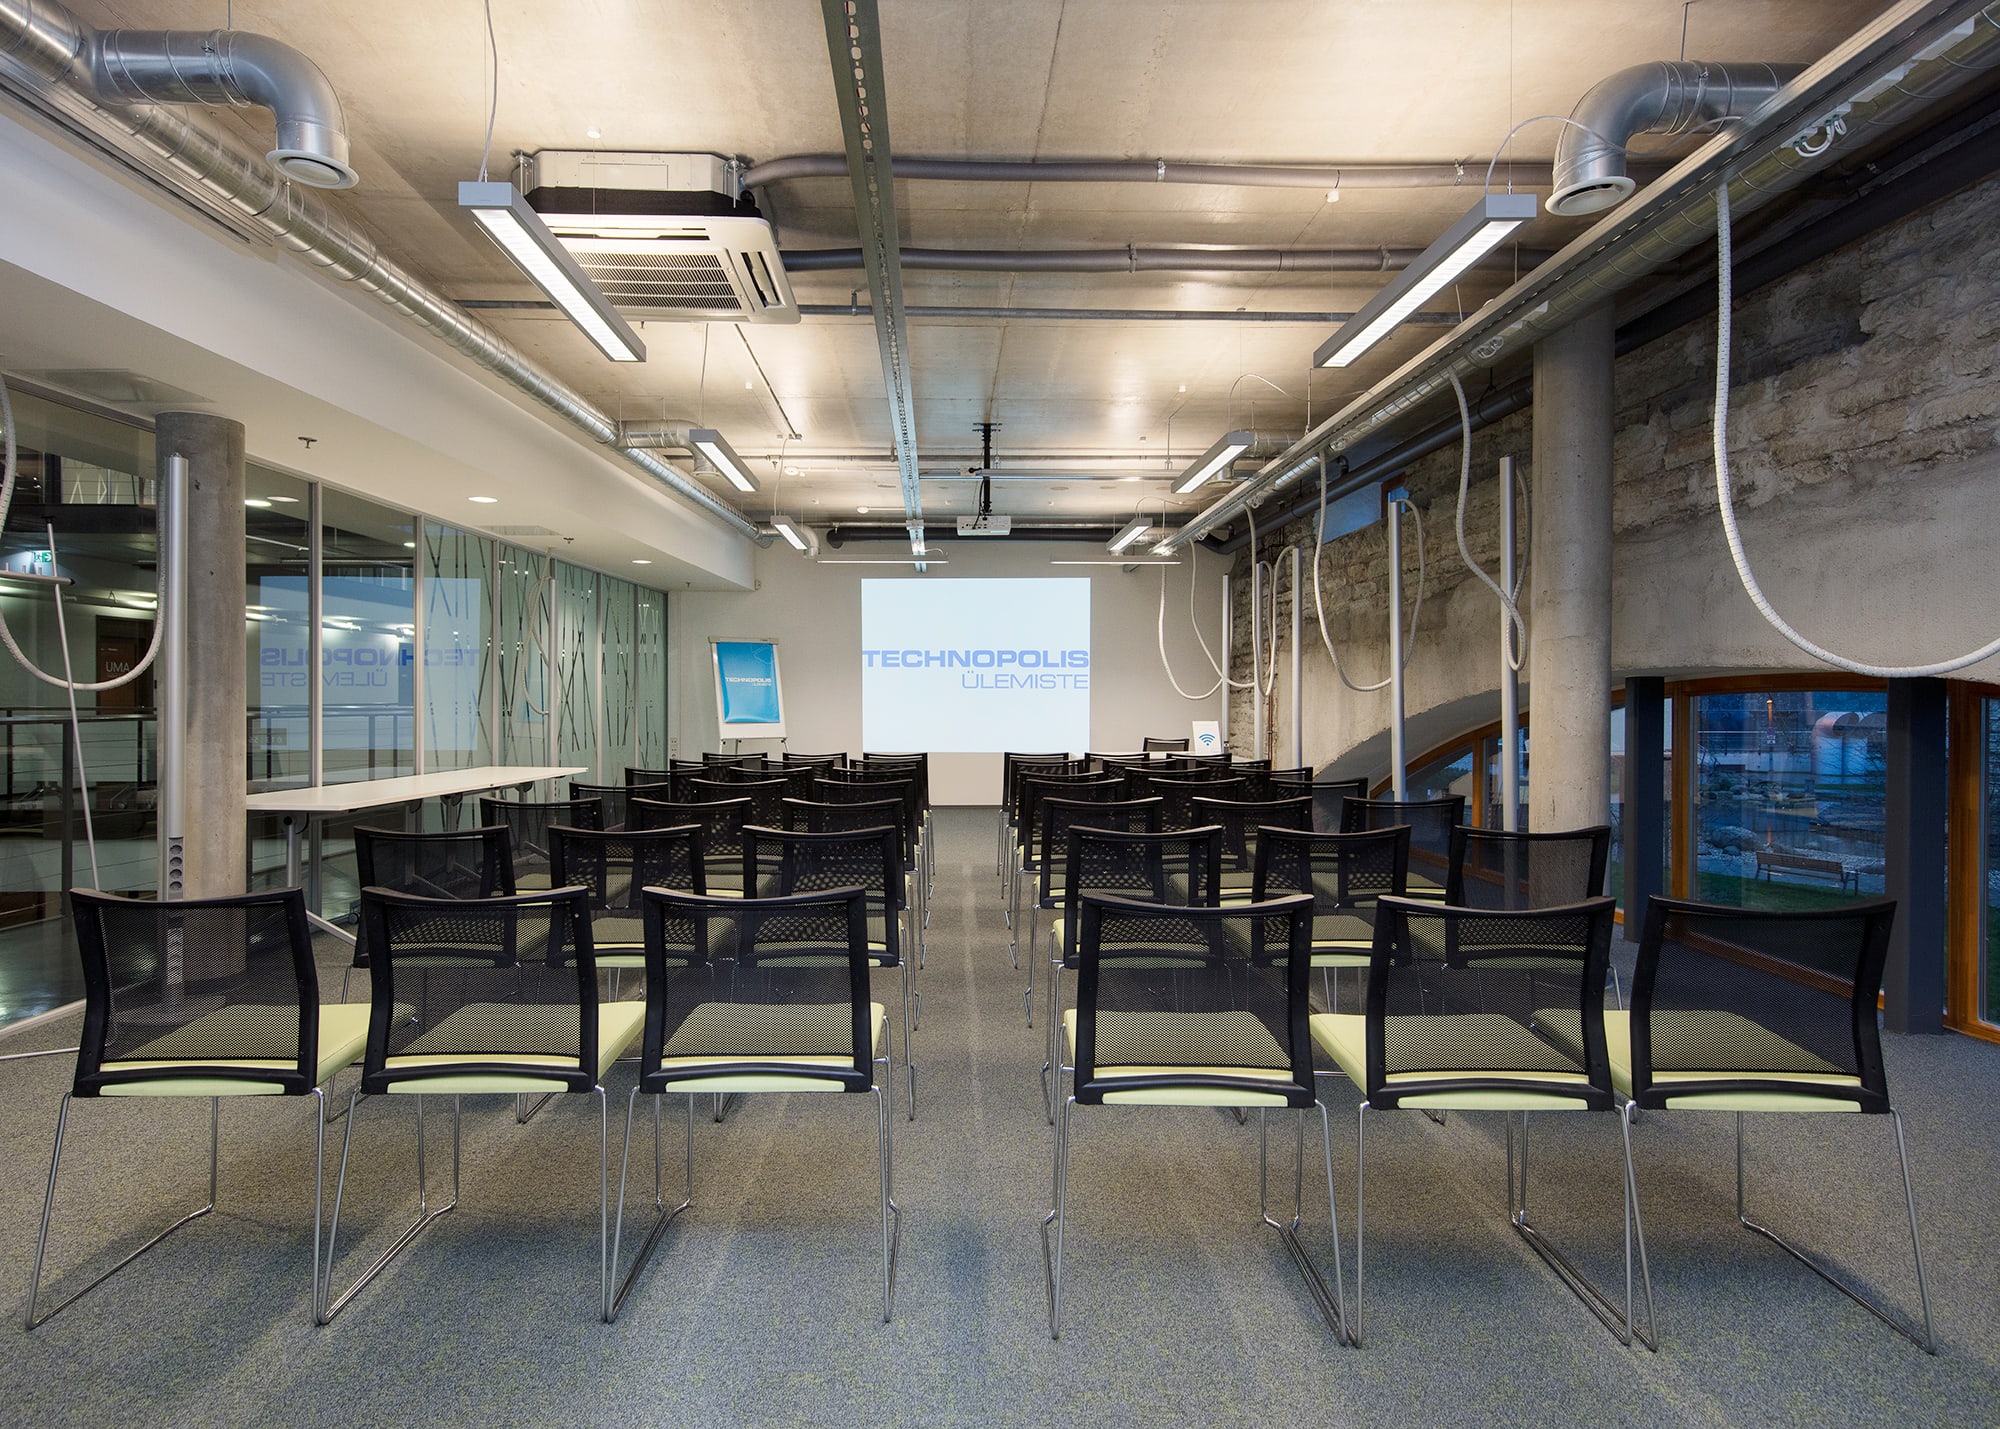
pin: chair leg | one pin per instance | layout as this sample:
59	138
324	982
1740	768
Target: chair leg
909	1067
1360	1215
48	1206
1052	1258
616	1300
1925	1340
1332	1304
330	1307
1595	1300
892	1214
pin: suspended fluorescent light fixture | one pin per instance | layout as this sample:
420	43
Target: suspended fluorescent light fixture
522	235
1137	527
722	457
1217	458
1482	230
797	534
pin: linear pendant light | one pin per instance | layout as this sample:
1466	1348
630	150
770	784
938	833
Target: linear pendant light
1217	458
522	235
1482	230
1134	529
796	533
722	456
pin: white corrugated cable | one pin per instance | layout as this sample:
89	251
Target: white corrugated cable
1520	628
1719	434
1319	607
1209	693
1265	684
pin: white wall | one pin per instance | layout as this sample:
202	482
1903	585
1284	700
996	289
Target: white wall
813	610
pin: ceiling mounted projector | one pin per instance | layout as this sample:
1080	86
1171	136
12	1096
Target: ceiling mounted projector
985	524
666	237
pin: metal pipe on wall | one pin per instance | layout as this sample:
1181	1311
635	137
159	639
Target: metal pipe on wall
1228	643
1297	745
1510	679
172	697
1257	657
1398	785
1149	171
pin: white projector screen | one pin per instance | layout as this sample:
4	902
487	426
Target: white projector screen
975	666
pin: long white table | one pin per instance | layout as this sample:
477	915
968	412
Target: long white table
300	807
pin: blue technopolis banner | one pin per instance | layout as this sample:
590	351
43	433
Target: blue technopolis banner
746	673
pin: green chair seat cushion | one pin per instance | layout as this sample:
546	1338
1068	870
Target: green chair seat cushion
1343	1036
1228	1046
480	1033
1757	1044
343	1032
814	1037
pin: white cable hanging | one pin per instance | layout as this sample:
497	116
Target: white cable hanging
1725	499
1319	607
1208	693
1520	628
1264	683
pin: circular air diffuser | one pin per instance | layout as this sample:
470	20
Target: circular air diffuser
313	170
1590	195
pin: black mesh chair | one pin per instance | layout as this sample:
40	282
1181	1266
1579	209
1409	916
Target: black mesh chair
917	767
1012	767
1058	818
521	1016
1175	868
1431	822
1179	791
612	798
1471	1034
1494	868
813	761
457	863
527	826
1345	874
721	825
611	866
775	1000
1261	781
636	775
869	859
713	760
1757	1011
767	796
1330	797
203	997
1035	790
1156	744
1229	1029
837	787
1240	820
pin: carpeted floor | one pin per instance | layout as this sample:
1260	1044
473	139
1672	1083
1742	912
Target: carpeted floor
1181	1307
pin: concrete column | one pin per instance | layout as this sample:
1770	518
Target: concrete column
1569	664
216	753
1913	837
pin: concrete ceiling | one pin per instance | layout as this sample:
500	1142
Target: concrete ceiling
1095	414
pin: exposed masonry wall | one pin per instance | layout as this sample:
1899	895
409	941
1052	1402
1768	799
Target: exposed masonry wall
1866	454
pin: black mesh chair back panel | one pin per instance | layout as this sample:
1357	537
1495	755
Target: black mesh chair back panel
1431	822
528	826
1492	868
721	826
1344	873
1181	790
1172	746
1193	997
501	986
808	816
1754	997
613	798
1097	789
773	985
868	859
767	796
732	761
195	985
1017	780
1060	816
1262	782
1178	868
636	775
917	766
872	793
458	863
1240	819
1454	997
612	866
813	761
1330	797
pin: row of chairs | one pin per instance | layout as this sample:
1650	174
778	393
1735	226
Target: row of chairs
492	995
1489	1009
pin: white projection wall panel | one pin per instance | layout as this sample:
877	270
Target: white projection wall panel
975	666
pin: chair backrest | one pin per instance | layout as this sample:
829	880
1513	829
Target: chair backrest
814	761
612	865
714	760
1340	871
611	797
1493	868
1181	790
455	863
767	796
844	786
1241	818
721	826
1260	781
868	859
1155	742
771	985
1756	1000
1179	867
917	765
528	827
501	987
1431	822
1094	789
197	984
636	775
1232	1015
1330	798
1012	760
1456	995
1025	766
810	816
1060	816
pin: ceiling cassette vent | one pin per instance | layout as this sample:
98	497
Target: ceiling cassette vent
668	237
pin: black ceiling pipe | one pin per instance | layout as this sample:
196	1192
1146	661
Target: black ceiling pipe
1969	162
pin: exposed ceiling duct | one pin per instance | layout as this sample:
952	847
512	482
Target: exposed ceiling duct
1153	171
41	46
1666	97
1907	60
1138	258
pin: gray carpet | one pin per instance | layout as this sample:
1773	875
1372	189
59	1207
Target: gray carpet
1182	1308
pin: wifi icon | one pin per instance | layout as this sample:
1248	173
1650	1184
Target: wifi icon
1205	739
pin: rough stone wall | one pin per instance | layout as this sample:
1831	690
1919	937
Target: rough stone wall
1864	398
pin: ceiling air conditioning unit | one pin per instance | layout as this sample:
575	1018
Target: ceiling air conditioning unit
667	237
985	525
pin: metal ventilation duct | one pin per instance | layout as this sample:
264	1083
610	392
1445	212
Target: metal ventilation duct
1666	97
1914	56
40	46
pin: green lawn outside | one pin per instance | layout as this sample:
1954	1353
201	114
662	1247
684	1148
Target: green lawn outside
1767	893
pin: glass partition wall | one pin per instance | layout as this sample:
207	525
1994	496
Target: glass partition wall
436	648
